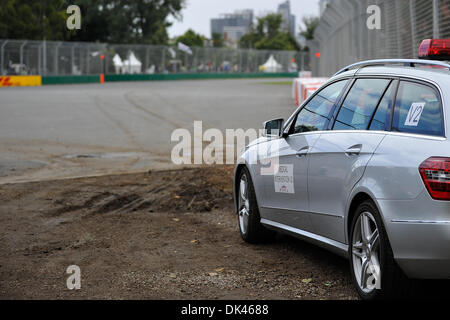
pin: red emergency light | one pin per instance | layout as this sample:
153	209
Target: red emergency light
435	49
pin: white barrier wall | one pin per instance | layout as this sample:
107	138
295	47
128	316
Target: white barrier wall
303	88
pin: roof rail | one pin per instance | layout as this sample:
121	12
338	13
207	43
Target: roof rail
383	62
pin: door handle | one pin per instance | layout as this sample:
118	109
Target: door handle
302	152
354	150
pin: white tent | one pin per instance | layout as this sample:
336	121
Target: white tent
271	66
132	64
118	63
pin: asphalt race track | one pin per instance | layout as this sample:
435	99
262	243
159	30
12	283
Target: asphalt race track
81	130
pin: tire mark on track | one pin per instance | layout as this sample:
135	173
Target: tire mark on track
166	102
130	136
180	110
136	105
130	112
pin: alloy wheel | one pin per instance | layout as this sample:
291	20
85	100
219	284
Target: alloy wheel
244	204
366	253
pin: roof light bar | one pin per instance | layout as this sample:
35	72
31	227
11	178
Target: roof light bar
435	49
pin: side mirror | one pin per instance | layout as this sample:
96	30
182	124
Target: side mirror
273	128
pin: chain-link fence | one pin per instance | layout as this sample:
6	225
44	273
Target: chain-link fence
343	36
51	58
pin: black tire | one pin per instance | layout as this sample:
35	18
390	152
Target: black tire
394	283
255	232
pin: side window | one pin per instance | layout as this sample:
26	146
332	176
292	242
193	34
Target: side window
383	115
316	114
360	104
418	110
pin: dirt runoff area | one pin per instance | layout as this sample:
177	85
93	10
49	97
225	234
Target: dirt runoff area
154	235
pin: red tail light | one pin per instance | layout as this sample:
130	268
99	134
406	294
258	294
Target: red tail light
435	49
435	173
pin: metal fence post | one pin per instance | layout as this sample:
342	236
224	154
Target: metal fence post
412	13
80	57
39	60
44	57
56	60
240	60
302	66
2	56
436	31
106	60
88	64
72	58
163	59
195	60
21	53
147	58
398	28
387	29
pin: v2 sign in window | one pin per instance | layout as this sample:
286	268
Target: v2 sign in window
418	110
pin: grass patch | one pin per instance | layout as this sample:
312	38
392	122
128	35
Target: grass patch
278	83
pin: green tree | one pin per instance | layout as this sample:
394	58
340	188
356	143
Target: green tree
115	21
127	21
268	35
191	39
270	25
283	41
311	24
32	20
218	41
248	40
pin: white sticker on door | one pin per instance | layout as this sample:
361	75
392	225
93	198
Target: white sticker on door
414	114
284	179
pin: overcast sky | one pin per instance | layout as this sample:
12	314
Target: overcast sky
198	13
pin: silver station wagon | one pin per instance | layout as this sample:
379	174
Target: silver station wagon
361	168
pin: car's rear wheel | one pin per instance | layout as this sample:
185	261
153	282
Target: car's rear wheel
248	214
374	271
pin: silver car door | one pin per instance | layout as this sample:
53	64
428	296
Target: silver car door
339	158
286	191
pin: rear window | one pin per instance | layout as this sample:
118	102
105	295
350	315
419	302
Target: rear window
418	110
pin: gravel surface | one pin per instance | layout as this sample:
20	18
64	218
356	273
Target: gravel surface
156	235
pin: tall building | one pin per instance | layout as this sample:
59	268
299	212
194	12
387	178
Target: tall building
233	26
288	23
